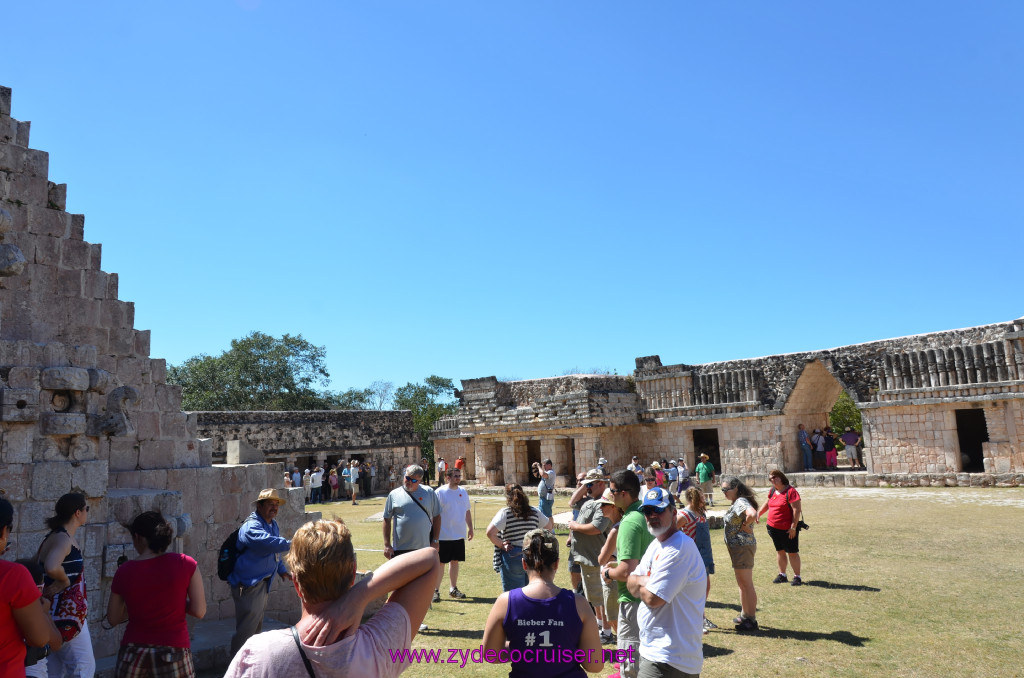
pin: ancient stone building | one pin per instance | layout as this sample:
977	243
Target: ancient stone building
83	406
315	438
941	406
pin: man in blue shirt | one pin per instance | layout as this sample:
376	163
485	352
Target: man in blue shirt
259	543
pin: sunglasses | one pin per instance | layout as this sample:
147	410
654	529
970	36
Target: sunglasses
412	480
653	510
616	491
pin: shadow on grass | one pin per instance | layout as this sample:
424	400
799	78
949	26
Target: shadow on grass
841	587
712	651
844	637
722	606
451	633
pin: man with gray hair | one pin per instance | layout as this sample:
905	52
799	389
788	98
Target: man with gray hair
416	513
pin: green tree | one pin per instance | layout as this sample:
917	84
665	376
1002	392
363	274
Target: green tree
844	413
429	401
258	372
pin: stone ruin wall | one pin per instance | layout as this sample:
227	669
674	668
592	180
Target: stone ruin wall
83	406
318	437
907	389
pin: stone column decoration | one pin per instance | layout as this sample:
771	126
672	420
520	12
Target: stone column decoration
487	463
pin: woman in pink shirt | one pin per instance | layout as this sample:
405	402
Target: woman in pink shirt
154	592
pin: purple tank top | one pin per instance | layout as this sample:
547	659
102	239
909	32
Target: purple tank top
546	633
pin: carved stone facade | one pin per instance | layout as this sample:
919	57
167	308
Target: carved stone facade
944	404
84	408
305	439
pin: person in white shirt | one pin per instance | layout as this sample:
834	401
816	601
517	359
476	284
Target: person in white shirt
456	521
442	468
669	581
316	481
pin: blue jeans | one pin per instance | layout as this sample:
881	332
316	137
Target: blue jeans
546	506
513	576
808	458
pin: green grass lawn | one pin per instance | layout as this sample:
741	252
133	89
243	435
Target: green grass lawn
899	582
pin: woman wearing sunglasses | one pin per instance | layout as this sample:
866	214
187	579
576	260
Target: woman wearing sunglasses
739	538
61	558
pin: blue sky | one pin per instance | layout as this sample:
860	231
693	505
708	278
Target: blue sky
518	189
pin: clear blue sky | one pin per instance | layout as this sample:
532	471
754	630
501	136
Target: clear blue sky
520	188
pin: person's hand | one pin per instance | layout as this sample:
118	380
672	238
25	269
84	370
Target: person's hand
389	552
338	620
792	531
53	588
506	546
436	545
470	534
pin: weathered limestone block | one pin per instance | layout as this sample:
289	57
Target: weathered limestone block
62	423
19	405
101	381
111	554
64	379
241	452
90	477
155	454
32	515
12	261
15	479
116	421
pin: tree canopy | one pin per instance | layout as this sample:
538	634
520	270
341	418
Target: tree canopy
261	372
429	401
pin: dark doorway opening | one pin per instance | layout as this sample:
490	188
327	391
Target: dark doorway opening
971	431
532	457
705	441
570	464
499	473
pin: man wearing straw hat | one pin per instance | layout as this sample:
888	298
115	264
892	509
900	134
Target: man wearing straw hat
259	543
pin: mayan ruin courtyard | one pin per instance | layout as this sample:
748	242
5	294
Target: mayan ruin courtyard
269	270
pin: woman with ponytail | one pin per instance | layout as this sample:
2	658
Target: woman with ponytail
64	582
543	624
153	593
506	533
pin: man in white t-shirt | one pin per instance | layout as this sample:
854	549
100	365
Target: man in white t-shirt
670	581
442	468
456	519
316	481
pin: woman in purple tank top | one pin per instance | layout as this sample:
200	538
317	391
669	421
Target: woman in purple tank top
549	629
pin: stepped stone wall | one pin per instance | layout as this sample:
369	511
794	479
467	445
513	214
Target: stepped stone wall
911	392
84	407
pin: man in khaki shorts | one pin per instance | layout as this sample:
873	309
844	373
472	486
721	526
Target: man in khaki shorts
589	532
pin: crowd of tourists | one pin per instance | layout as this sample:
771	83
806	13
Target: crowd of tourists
639	556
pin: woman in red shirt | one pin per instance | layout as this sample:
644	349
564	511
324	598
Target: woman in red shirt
154	592
784	513
22	618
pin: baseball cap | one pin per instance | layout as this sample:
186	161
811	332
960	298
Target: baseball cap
657	497
593	475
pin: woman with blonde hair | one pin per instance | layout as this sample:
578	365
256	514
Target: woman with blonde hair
506	533
692	519
329	639
534	627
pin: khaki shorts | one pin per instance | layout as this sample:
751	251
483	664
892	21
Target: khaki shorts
742	556
592	584
611	600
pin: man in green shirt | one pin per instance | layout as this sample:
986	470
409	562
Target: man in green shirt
633	540
706	478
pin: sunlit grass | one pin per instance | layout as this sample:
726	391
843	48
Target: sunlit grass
899	583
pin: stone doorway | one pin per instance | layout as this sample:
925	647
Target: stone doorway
971	431
810	403
705	441
532	456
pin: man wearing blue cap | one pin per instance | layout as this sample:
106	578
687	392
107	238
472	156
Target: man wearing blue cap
670	582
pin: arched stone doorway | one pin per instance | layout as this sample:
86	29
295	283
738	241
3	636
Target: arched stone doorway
809	403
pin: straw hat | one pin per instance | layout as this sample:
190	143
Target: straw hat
271	494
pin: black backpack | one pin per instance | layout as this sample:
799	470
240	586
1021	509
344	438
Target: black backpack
228	556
